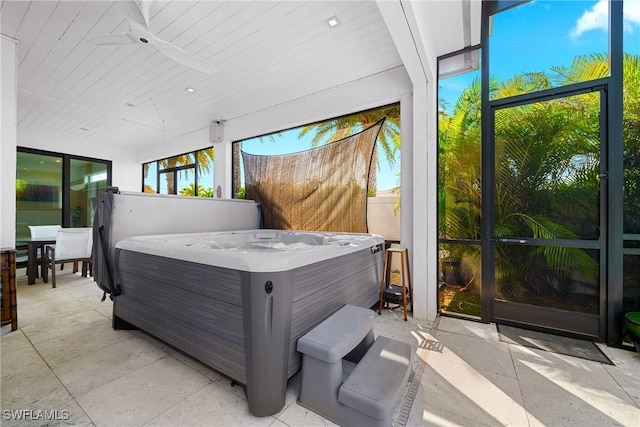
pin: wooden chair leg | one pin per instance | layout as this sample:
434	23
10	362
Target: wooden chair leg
404	286
45	272
43	264
75	267
53	275
84	269
382	282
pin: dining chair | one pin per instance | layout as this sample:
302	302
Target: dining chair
42	232
72	245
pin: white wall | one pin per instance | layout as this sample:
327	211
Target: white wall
8	120
382	218
192	141
369	92
126	171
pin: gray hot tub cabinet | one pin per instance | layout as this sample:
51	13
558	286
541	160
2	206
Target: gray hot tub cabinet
243	324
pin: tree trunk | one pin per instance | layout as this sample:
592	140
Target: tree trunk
236	167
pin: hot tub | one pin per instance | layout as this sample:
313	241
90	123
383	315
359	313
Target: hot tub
239	301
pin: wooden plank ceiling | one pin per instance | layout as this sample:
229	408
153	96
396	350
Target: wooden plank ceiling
265	53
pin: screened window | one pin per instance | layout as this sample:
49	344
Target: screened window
189	174
459	185
631	135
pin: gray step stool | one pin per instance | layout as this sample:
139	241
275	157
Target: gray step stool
369	393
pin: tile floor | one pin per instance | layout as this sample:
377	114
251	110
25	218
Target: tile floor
66	362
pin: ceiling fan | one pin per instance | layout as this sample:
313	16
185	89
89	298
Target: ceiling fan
137	15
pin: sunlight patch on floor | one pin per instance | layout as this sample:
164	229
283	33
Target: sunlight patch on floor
598	398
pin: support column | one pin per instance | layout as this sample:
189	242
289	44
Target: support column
400	19
222	168
9	135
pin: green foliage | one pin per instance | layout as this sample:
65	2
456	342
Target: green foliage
459	166
205	192
202	192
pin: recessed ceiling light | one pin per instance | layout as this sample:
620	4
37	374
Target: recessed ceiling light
333	22
190	90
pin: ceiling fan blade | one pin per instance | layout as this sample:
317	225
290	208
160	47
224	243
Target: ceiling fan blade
137	13
185	58
113	39
137	16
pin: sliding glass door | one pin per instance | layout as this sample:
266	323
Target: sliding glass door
54	188
38	191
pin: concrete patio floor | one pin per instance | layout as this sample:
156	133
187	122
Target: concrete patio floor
66	359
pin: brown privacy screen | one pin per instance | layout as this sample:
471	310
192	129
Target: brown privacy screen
322	189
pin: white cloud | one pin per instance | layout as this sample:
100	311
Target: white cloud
631	14
598	17
593	19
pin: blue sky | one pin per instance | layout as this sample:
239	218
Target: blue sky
531	37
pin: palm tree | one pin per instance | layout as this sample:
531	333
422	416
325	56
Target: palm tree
235	173
459	174
568	167
459	183
546	187
631	127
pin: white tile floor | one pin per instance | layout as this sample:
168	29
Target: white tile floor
66	359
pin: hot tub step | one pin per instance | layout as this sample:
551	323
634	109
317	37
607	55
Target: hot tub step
369	394
375	384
